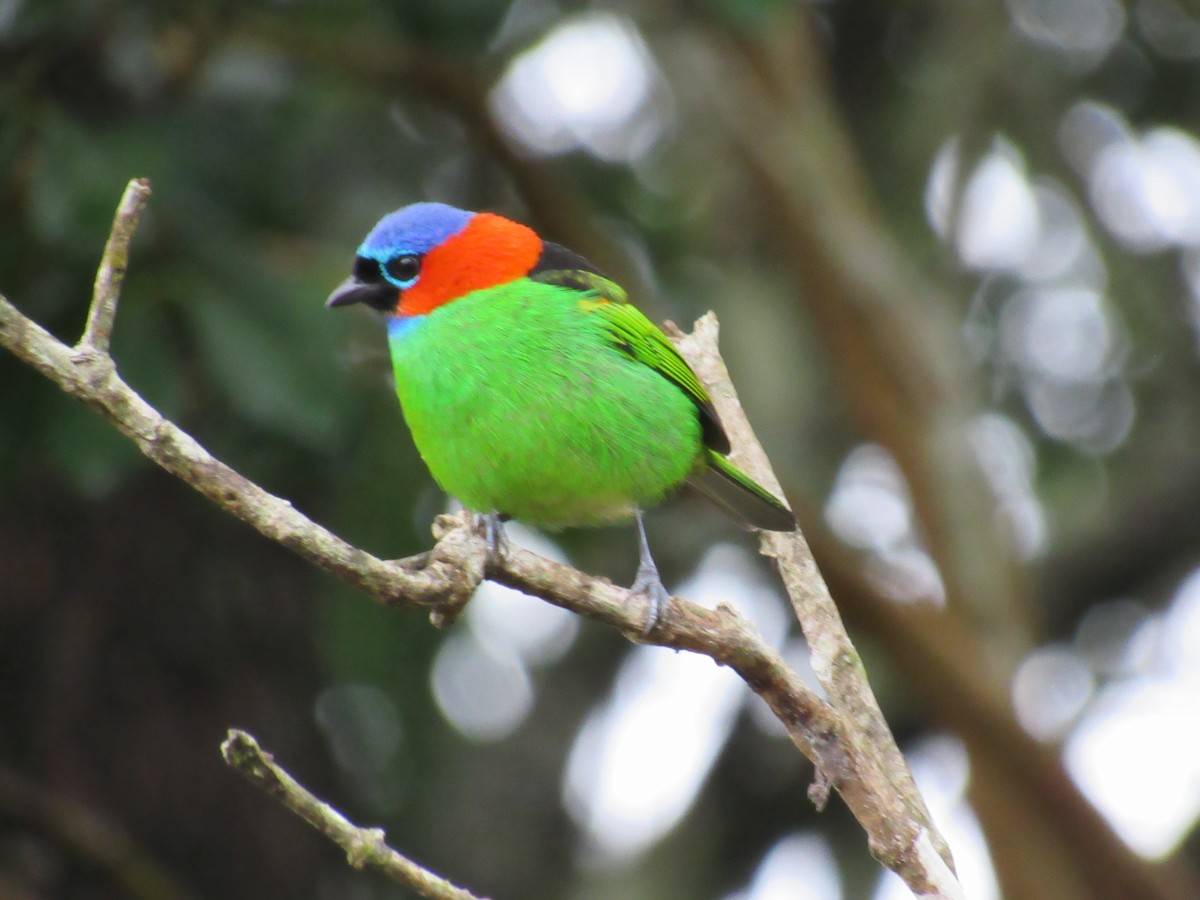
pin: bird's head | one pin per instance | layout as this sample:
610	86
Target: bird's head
429	254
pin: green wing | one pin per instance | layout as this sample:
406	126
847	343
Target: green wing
630	332
640	339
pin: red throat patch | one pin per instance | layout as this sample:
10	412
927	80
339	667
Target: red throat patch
491	250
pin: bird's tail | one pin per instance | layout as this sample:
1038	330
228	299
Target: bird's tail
741	496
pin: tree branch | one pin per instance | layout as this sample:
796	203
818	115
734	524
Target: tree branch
97	333
834	660
846	739
365	847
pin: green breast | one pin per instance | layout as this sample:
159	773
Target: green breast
518	405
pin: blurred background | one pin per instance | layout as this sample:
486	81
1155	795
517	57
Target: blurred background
955	248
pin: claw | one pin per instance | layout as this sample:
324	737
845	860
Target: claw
648	583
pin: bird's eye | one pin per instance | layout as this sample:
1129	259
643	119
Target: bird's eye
403	270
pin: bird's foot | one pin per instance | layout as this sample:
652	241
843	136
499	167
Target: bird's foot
648	584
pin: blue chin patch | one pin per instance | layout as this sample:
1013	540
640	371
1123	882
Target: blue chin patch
415	229
399	327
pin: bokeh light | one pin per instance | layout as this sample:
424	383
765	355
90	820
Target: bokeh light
1169	27
644	753
590	83
1084	27
942	771
1051	688
1009	463
485	694
1044	324
363	729
482	676
870	508
1136	753
800	866
998	225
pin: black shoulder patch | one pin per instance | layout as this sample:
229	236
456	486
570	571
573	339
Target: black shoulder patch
556	257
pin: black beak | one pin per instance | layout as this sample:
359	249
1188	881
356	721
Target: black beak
380	296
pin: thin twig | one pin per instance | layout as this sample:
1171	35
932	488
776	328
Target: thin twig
110	276
365	848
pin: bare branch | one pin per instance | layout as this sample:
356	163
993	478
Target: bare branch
365	847
446	576
835	662
111	275
443	578
847	739
93	379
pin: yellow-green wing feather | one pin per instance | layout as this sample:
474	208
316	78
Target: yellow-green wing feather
630	332
640	339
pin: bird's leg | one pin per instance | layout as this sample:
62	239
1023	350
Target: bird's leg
493	533
648	582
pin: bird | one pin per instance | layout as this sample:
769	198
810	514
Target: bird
534	390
